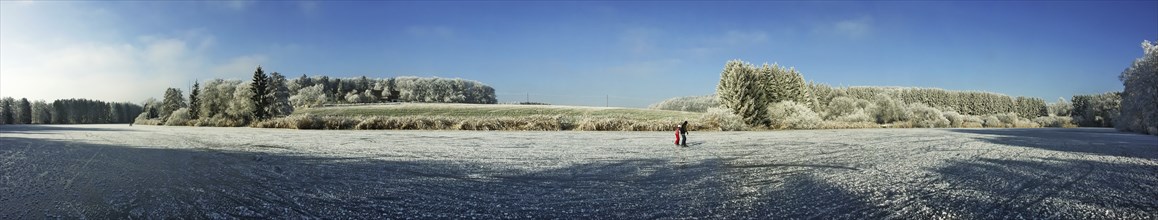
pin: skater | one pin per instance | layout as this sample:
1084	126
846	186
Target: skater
683	133
677	133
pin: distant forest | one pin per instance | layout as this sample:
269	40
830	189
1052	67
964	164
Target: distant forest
66	111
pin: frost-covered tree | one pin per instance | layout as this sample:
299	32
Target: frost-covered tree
195	101
6	110
278	96
24	111
152	110
216	96
1098	110
309	96
173	100
1060	108
741	89
1139	111
889	110
41	112
242	106
258	94
353	97
783	84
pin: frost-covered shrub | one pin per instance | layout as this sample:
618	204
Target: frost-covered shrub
845	109
723	119
1054	121
687	104
927	117
956	120
1008	118
972	121
889	110
992	121
356	97
860	115
1139	105
791	115
179	117
143	119
841	106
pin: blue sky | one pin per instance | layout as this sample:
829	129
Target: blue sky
572	53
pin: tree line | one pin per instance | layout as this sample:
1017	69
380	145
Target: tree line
755	94
308	91
236	103
66	111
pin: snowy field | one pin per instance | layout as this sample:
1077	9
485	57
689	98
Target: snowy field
117	171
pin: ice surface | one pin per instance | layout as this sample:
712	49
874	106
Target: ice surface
117	171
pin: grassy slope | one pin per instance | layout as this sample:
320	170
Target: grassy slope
482	110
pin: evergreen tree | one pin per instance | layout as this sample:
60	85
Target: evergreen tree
6	104
260	81
195	101
173	100
741	90
278	96
25	114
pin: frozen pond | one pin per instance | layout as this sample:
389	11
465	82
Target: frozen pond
117	171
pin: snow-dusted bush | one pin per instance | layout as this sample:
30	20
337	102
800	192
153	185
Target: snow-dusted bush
972	121
991	121
841	106
850	110
791	115
1054	121
687	104
924	116
356	97
956	120
1139	105
890	110
180	117
143	119
1008	118
723	119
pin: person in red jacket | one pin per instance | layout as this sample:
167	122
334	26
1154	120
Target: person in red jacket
682	134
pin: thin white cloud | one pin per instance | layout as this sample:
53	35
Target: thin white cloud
850	28
42	61
238	65
639	41
645	68
442	32
238	5
738	37
309	8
